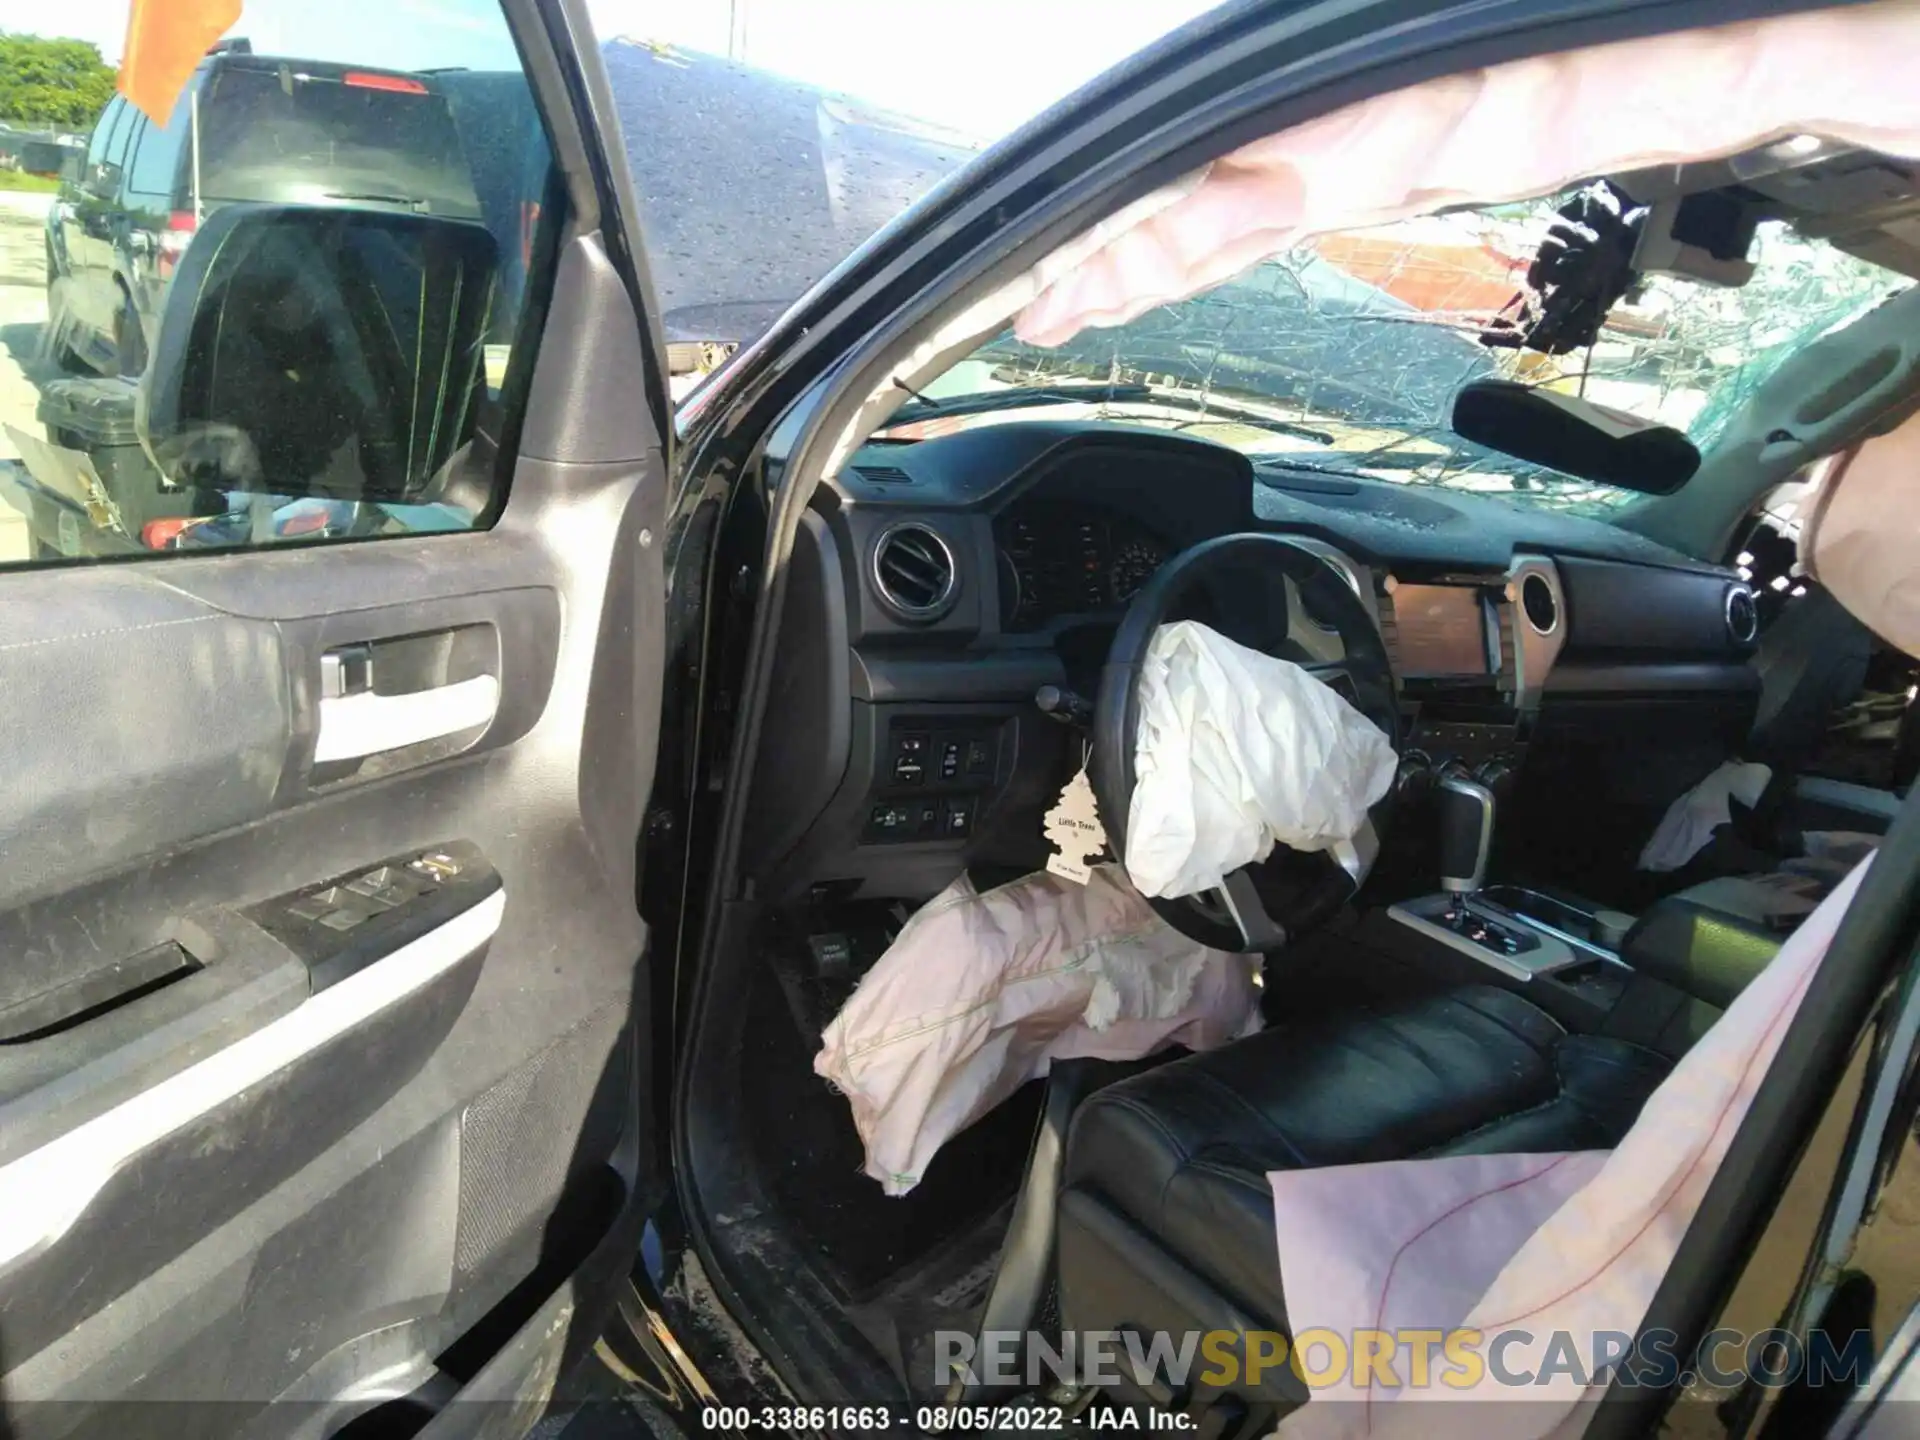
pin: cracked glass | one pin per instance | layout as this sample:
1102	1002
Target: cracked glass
1344	354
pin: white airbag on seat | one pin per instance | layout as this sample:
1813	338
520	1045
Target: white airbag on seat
981	992
1237	751
1687	827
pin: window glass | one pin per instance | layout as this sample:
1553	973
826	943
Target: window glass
130	124
271	131
103	132
155	164
1343	356
212	374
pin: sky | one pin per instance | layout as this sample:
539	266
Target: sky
979	66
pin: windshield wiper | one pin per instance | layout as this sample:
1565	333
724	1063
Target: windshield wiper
980	402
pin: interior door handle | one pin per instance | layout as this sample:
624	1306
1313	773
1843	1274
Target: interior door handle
352	726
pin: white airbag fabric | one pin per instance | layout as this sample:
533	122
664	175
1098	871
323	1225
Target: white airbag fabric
1237	751
1690	821
981	992
1560	1251
1512	131
1861	531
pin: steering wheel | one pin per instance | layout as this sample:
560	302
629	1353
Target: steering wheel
1262	905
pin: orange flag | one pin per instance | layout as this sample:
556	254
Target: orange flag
165	40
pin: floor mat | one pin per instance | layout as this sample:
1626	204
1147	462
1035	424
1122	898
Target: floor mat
808	1157
946	1290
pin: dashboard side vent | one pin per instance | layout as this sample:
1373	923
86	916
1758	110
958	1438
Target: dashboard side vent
883	474
1743	616
914	571
1538	601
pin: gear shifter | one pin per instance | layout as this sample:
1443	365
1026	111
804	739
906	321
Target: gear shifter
1466	838
1466	834
1475	927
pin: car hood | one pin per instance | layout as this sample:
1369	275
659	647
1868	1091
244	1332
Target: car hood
752	186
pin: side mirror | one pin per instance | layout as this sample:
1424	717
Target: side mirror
1574	436
316	351
73	164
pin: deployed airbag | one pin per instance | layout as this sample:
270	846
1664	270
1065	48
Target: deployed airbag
1546	1256
1687	827
1237	751
1512	131
983	991
1860	529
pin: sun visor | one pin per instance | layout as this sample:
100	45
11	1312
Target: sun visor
1860	534
1511	132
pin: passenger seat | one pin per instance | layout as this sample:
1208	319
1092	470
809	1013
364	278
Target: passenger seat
1812	661
1694	951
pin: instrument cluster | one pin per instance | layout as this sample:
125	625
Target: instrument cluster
1059	558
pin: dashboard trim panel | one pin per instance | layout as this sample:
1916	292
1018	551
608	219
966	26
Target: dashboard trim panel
1535	652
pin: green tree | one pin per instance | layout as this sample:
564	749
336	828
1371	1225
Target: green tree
63	83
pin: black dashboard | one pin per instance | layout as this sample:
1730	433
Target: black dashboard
936	585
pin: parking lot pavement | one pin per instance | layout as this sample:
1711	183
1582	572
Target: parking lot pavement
23	323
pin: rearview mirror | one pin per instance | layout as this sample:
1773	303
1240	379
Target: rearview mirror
1574	436
316	351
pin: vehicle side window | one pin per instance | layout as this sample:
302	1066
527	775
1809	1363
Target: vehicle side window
153	168
132	122
103	132
326	342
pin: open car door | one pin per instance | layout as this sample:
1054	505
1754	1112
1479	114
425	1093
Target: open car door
323	1054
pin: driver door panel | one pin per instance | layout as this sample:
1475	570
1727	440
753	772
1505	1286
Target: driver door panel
322	996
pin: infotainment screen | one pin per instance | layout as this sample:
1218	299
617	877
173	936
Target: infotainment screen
1443	630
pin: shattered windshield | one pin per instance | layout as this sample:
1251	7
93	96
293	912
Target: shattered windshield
1344	354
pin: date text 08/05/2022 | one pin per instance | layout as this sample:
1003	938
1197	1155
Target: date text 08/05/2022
924	1419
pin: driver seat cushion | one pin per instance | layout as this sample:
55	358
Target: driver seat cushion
1183	1150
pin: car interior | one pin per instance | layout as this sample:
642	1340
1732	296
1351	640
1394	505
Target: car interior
1502	977
353	1093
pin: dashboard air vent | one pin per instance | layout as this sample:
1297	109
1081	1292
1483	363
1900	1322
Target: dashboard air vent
1537	599
1743	616
883	474
914	572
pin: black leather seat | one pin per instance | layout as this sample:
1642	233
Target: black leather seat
1166	1218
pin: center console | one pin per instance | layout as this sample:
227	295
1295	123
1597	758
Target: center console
1523	934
